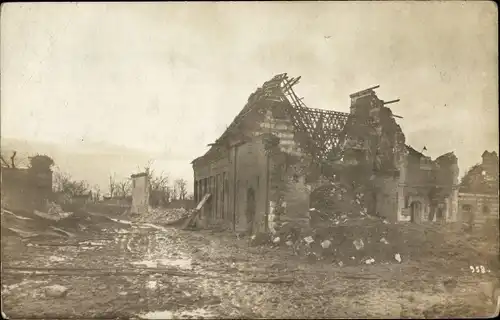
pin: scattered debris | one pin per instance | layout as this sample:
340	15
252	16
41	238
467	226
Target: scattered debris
56	259
359	244
56	291
326	244
23	234
54	215
157	315
152	285
272	280
384	241
13	214
121	221
309	240
193	218
260	238
397	256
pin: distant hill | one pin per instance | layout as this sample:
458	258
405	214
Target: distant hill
94	162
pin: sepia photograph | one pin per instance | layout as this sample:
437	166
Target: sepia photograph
249	160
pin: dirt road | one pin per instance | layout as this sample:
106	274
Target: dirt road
148	271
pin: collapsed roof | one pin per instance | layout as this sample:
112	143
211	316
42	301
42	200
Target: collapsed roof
322	128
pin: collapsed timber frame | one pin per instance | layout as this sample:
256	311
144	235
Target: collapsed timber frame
260	169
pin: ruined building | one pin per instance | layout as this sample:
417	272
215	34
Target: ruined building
478	197
277	150
27	188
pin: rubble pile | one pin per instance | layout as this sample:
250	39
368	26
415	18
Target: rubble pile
163	216
343	232
350	242
25	225
335	204
53	211
52	224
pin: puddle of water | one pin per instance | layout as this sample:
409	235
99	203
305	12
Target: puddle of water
121	221
181	263
69	234
88	247
56	259
147	263
96	242
155	227
157	315
197	314
22	283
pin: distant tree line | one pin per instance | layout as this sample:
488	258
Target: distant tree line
162	190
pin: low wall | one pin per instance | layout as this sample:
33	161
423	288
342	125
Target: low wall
111	209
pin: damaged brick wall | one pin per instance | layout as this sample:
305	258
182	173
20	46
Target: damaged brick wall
213	174
478	197
404	184
289	193
251	188
416	185
428	189
373	149
483	207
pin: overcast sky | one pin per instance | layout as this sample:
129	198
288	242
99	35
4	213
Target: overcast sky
169	77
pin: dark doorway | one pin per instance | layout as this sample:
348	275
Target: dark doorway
250	210
440	212
416	212
468	216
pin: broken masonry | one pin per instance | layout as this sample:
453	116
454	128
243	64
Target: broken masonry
264	170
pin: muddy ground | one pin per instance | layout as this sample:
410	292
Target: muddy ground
149	271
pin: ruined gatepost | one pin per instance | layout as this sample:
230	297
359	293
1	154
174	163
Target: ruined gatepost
140	193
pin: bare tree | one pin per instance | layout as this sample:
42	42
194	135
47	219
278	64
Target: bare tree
123	188
175	192
180	187
112	185
65	184
14	160
96	193
160	192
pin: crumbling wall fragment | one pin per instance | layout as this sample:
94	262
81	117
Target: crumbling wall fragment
140	193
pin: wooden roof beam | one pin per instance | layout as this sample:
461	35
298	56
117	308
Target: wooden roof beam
392	101
359	93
